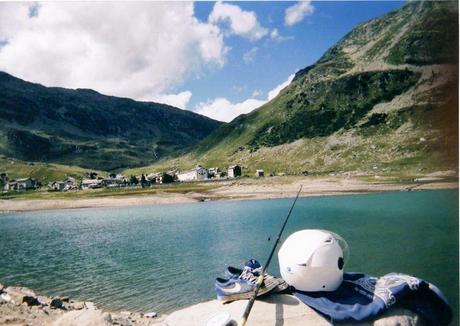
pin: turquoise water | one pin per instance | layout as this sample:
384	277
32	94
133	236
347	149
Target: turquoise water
163	257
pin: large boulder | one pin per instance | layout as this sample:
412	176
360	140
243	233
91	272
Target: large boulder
82	318
31	300
76	305
278	309
57	303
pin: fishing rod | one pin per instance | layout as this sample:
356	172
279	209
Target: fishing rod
260	279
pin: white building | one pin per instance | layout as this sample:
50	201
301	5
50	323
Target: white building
260	173
21	184
114	180
214	172
198	173
57	185
91	183
234	171
153	177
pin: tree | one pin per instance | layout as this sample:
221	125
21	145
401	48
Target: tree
133	180
143	181
166	178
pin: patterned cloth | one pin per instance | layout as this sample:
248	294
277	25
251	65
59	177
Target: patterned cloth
362	297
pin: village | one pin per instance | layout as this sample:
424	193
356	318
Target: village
113	180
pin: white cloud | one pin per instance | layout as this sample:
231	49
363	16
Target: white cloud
275	91
275	35
240	22
179	100
256	93
137	50
250	55
296	13
222	109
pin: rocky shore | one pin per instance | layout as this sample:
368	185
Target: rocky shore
21	306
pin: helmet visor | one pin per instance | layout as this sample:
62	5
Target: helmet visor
344	245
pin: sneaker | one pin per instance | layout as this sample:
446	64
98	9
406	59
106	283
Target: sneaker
252	265
242	285
255	267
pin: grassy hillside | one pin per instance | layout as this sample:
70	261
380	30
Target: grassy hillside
82	127
45	172
383	100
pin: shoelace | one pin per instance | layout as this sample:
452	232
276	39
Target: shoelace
249	275
257	271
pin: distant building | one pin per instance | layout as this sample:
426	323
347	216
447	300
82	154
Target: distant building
70	181
214	172
198	173
57	185
234	171
11	185
114	180
260	173
91	183
26	183
21	184
154	177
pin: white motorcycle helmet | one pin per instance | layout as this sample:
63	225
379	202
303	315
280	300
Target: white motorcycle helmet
313	260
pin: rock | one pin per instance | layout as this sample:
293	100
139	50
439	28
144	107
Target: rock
123	321
1	288
90	306
77	305
65	299
17	294
151	314
31	301
5	297
45	301
125	313
107	317
57	303
277	310
81	318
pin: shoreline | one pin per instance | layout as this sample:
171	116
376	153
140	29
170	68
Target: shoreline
230	191
22	306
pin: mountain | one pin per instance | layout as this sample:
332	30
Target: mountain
84	128
384	99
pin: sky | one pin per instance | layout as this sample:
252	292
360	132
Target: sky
219	59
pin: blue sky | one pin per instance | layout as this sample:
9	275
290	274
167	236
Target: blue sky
217	59
275	61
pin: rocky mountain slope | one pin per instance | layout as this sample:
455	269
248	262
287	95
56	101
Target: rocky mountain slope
383	99
84	128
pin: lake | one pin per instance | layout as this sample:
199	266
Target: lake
160	258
